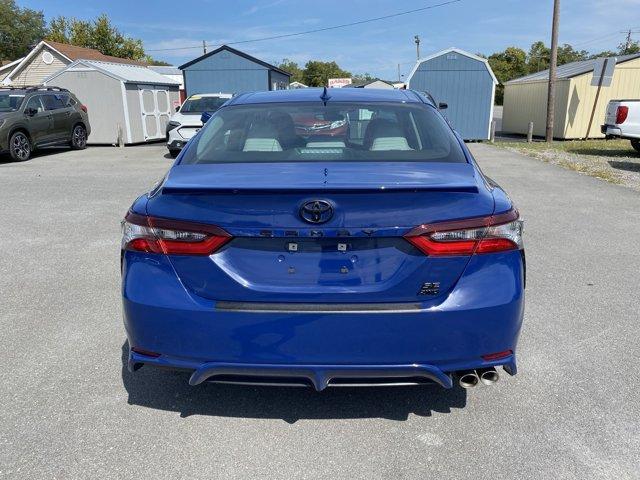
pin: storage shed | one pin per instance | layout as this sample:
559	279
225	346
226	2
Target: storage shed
525	99
228	70
128	100
465	82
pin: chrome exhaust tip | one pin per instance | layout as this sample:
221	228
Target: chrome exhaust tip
488	376
468	378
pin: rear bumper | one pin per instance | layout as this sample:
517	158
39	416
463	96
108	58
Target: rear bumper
610	131
176	144
481	315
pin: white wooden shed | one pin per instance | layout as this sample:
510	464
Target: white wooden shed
128	100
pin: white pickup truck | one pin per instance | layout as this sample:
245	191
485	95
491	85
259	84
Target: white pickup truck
622	120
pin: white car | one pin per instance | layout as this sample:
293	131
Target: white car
186	122
622	120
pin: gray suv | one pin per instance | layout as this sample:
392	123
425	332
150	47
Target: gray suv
36	117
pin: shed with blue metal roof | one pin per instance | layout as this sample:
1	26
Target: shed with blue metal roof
465	82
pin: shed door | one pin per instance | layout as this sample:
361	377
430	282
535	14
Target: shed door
156	110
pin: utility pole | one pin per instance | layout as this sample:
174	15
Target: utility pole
416	39
204	46
399	76
551	96
627	43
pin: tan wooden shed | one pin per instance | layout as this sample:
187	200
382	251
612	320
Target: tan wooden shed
525	99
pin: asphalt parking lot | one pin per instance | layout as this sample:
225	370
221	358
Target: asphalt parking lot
69	409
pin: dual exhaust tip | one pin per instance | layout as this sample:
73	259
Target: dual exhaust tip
471	378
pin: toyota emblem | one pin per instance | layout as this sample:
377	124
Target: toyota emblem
316	211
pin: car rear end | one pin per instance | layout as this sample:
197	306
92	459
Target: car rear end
382	257
81	112
185	123
622	119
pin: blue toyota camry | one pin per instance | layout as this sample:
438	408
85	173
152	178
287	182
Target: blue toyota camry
325	238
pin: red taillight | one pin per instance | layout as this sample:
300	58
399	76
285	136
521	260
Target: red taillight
621	114
83	108
497	355
496	233
171	237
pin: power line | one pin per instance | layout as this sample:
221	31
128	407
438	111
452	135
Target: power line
317	30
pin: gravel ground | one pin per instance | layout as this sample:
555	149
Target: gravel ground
70	410
614	161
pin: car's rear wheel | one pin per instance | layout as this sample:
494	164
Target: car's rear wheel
174	153
79	138
635	143
19	147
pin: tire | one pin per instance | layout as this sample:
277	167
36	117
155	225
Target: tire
174	153
79	138
635	143
20	147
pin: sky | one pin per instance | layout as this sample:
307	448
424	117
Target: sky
478	26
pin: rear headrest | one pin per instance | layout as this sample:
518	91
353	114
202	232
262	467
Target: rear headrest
262	145
380	128
390	143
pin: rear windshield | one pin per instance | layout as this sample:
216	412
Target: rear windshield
10	102
338	132
197	104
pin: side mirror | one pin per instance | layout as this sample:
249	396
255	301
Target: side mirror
442	106
204	118
31	111
178	108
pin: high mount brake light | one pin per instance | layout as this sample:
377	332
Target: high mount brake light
496	233
170	237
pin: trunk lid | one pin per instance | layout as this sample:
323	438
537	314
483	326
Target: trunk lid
358	255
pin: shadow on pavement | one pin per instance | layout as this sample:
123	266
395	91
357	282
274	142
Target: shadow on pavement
628	166
601	152
169	390
5	158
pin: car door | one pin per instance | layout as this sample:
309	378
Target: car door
57	104
38	120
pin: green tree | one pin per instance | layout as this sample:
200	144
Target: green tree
538	57
567	54
605	53
633	47
363	78
98	34
316	73
152	61
507	65
20	29
293	68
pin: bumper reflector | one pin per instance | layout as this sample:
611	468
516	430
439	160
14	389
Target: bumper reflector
146	353
497	355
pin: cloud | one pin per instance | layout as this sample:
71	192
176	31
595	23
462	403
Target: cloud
256	8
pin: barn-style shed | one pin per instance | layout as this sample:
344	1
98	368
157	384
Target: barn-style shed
465	82
525	98
123	101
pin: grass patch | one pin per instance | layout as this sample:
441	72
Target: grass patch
597	158
595	148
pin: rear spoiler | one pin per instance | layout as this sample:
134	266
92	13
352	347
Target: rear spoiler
321	178
206	190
